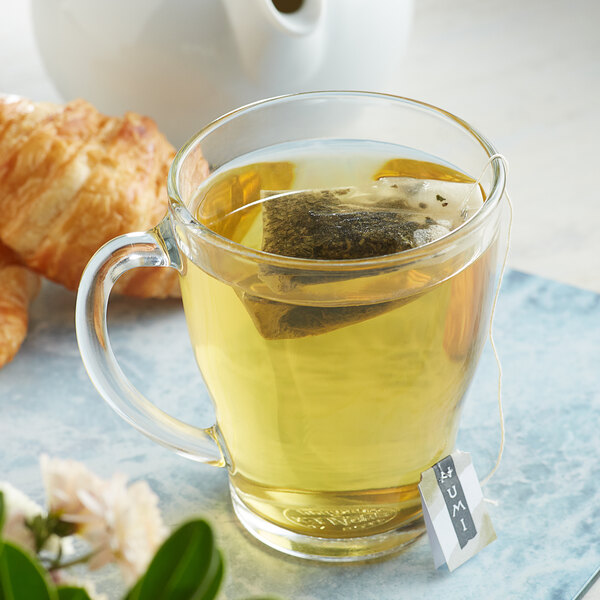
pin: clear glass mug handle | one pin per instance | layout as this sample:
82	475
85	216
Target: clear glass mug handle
105	267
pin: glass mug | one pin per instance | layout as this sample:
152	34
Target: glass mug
335	383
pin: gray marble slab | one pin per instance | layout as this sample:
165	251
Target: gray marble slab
547	490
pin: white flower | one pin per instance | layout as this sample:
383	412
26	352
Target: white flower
18	508
123	525
128	529
66	482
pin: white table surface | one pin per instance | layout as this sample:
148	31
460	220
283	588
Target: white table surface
524	72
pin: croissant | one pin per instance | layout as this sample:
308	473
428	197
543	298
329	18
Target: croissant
18	286
71	179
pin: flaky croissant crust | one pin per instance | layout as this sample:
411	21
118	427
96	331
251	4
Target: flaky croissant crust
71	179
18	286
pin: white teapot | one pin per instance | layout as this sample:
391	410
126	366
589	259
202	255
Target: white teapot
185	62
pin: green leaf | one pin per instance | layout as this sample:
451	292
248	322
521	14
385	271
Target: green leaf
187	566
134	592
1	511
21	577
214	582
67	592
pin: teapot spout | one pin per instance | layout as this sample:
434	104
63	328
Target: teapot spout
294	17
278	40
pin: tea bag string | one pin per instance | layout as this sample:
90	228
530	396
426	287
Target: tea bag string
491	326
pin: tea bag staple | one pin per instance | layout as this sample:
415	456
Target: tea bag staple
391	215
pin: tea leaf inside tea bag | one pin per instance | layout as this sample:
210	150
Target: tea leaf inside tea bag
278	320
334	225
388	216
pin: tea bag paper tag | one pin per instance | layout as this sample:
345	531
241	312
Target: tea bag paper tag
458	524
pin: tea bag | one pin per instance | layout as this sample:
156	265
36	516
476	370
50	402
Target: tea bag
388	216
449	202
338	224
279	320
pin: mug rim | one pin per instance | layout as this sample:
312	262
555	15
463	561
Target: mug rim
180	212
